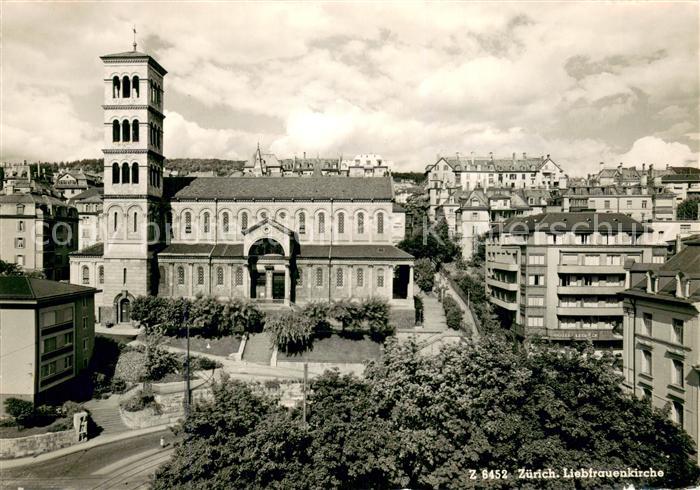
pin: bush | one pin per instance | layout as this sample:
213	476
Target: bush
272	384
350	315
318	313
118	385
140	400
202	363
425	274
61	425
159	362
22	411
290	331
453	313
69	408
375	314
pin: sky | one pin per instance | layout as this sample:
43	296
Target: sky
584	82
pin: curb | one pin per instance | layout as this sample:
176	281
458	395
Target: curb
108	439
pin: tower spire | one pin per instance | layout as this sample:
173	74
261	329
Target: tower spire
134	29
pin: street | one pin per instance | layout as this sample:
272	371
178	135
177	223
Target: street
128	463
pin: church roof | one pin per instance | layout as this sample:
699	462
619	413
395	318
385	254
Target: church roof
353	252
135	55
96	250
287	188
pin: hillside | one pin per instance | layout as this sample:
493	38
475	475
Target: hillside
182	165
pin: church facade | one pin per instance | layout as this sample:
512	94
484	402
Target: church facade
286	239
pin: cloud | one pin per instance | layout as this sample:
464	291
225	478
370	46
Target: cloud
654	150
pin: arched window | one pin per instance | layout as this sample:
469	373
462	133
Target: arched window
319	277
126	130
360	277
126	87
115	173
219	276
115	87
200	275
302	223
321	223
136	221
239	276
341	223
101	274
206	222
339	278
20	209
125	173
86	275
360	223
116	131
134	173
181	275
115	221
380	223
380	278
224	223
244	221
188	222
135	130
135	83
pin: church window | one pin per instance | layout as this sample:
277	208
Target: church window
360	223
116	131
319	277
126	130
124	275
220	276
300	280
244	221
126	87
200	275
135	130
125	173
134	173
115	87
339	278
224	223
321	223
86	275
136	221
380	223
302	223
360	277
380	278
206	222
115	173
101	275
188	222
135	83
181	275
239	276
341	223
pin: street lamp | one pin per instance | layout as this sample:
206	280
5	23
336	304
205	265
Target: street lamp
188	393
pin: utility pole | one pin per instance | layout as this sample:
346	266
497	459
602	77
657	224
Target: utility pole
188	393
303	393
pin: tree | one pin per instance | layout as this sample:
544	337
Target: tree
433	242
290	331
423	421
20	410
12	269
688	209
425	274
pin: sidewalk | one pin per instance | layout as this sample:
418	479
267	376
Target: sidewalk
100	440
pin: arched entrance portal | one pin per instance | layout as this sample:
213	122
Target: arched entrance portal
124	311
269	271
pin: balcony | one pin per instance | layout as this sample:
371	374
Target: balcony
590	269
505	305
508	286
589	290
573	333
504	265
589	310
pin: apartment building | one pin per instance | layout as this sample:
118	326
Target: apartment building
90	216
47	331
641	202
38	231
661	358
557	275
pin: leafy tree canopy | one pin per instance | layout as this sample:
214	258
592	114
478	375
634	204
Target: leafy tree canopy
12	269
688	209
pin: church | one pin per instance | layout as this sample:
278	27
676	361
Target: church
284	240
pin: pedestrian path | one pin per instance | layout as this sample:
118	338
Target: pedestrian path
105	414
433	313
258	349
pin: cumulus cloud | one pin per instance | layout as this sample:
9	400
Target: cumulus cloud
654	150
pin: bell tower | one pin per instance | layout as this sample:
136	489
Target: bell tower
133	176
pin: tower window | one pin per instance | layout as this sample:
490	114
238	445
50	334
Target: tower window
126	130
115	173
101	275
125	173
180	276
135	130
224	223
115	221
115	131
126	87
302	223
136	221
115	87
200	275
220	276
124	275
360	223
188	223
135	83
134	173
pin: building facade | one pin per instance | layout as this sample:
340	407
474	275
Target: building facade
47	331
90	212
282	239
661	345
557	275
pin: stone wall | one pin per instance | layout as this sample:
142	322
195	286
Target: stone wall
38	444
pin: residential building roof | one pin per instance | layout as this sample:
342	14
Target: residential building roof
96	250
464	163
93	194
30	288
584	222
287	188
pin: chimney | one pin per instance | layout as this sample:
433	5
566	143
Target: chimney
457	153
524	156
513	156
304	155
667	166
491	155
679	243
472	155
620	165
644	167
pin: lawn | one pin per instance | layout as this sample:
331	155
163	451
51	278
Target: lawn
223	346
336	349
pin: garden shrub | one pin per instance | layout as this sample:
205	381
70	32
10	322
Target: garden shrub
131	366
61	425
22	411
425	274
118	385
201	363
290	331
140	400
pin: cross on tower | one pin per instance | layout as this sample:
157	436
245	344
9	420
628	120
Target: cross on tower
134	29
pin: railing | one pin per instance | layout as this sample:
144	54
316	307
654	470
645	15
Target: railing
461	294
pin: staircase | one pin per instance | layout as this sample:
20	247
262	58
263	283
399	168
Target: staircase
433	314
258	349
105	414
